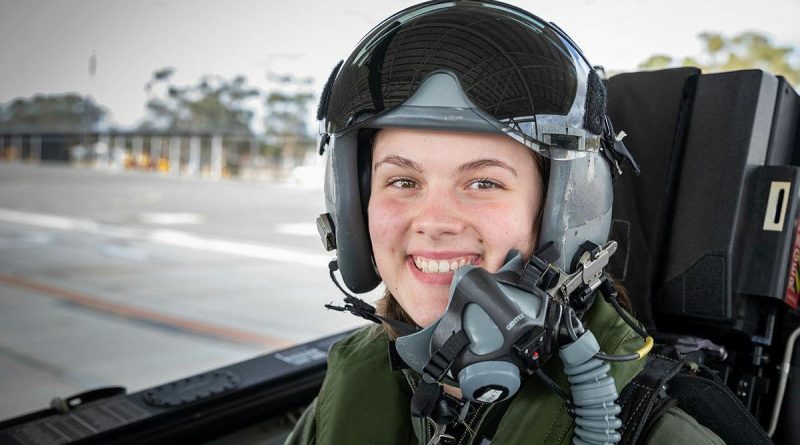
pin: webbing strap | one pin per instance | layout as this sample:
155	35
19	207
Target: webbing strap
428	399
664	383
705	397
443	358
643	396
531	274
536	273
425	399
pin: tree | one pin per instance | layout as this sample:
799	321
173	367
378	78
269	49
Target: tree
287	115
213	104
60	112
743	51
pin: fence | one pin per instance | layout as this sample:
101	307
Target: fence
212	155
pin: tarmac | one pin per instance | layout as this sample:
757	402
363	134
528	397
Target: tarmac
134	279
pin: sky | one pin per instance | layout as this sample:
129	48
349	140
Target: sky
45	46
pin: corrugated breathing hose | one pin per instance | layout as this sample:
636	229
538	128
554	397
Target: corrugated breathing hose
593	393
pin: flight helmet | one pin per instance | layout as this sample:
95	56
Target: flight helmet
480	66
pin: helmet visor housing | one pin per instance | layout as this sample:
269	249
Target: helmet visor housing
519	74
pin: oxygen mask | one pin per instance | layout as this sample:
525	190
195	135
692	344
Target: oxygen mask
501	327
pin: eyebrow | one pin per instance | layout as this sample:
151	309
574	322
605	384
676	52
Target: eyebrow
398	161
472	165
488	162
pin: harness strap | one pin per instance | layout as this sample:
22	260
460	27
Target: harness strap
665	382
644	395
704	396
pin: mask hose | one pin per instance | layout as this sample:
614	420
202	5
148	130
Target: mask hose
593	392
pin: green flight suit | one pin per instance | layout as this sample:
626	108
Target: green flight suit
363	402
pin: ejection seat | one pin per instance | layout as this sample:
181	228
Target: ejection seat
707	233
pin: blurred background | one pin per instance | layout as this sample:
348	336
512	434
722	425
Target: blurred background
159	175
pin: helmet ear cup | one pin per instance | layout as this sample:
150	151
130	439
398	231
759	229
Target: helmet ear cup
348	205
582	211
366	138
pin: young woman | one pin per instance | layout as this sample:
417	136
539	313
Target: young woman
458	132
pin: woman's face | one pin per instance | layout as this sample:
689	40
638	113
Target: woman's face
440	200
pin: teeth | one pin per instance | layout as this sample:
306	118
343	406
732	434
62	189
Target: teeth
433	266
441	266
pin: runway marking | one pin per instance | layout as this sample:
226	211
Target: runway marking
169	237
251	250
171	218
297	229
139	314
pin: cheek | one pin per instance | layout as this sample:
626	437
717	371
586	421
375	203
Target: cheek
512	226
386	236
385	226
380	221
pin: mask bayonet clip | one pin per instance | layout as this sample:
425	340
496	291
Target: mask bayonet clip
588	275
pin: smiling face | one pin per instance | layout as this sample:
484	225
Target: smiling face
440	200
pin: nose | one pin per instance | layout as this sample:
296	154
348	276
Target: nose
439	215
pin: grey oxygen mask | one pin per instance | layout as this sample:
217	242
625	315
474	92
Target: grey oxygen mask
476	342
501	327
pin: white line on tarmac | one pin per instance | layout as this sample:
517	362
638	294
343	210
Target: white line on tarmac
297	229
284	254
171	218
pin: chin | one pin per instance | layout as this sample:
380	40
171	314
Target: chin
428	313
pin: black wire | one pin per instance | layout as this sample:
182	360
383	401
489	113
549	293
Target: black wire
353	304
334	266
570	327
554	386
361	308
611	296
617	358
633	324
